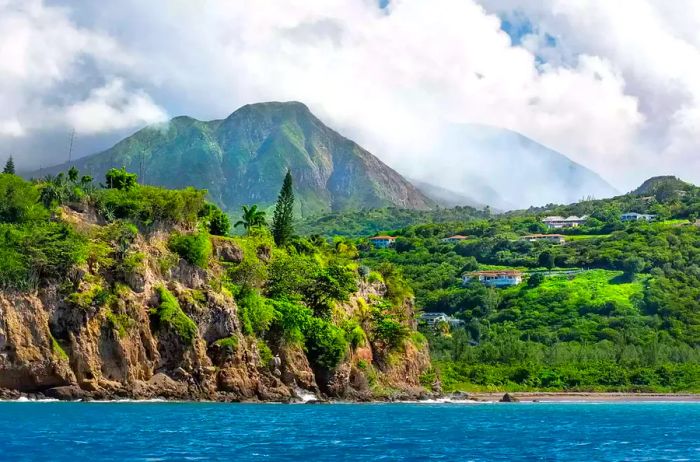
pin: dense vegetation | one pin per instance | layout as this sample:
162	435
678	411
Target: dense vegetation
367	222
615	308
93	243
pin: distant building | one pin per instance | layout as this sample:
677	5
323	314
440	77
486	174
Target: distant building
553	238
431	319
557	222
501	278
455	238
382	242
632	216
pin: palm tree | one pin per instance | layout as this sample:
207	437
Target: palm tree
252	218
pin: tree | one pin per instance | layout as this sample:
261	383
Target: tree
282	227
252	218
9	166
219	223
535	280
546	259
119	178
631	266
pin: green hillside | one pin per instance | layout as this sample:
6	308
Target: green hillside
243	158
617	307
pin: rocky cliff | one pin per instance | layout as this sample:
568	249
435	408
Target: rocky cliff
101	333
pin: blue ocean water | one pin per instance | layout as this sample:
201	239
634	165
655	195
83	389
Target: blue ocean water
243	432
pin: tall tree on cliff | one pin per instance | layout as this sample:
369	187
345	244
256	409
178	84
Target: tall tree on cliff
9	167
282	227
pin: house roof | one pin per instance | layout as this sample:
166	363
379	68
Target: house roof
495	273
382	238
569	218
457	236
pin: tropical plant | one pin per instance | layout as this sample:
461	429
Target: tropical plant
252	218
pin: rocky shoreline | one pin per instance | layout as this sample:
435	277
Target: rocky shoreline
75	394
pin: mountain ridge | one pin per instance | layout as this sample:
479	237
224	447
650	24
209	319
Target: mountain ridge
242	159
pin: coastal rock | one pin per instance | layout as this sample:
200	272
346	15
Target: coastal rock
67	393
508	398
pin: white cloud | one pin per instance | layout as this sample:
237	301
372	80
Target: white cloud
54	74
620	86
654	45
112	107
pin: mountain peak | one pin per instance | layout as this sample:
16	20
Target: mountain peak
652	185
242	160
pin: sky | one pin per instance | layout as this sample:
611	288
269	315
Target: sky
614	85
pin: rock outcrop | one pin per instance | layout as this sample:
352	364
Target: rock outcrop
80	347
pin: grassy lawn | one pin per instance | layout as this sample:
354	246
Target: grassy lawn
582	237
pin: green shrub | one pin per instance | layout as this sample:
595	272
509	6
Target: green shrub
32	252
254	311
195	248
228	342
148	205
58	350
325	343
122	323
169	313
354	334
265	353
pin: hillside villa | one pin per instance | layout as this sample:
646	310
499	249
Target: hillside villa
431	319
553	238
382	242
498	278
633	216
456	238
557	222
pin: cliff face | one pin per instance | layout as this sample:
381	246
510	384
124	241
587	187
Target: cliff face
91	349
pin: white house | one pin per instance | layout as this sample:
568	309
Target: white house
456	238
501	278
632	216
553	238
557	222
431	319
382	242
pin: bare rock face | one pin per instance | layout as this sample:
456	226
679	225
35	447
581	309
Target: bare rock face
227	251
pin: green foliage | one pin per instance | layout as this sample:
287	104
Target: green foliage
265	353
215	220
122	323
255	312
252	218
58	350
120	179
169	314
282	227
195	248
325	343
388	329
362	223
18	201
32	252
304	278
148	205
228	342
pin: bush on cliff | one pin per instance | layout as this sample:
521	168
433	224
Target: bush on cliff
169	313
195	248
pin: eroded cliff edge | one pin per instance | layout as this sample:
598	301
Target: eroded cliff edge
135	320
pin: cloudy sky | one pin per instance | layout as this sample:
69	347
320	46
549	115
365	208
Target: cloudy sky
615	85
